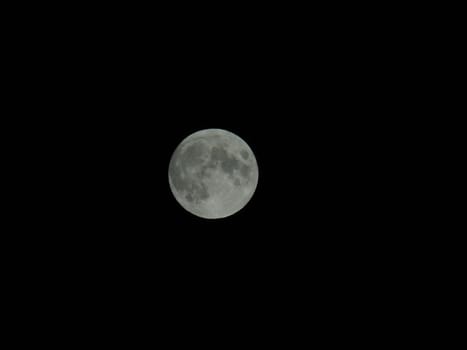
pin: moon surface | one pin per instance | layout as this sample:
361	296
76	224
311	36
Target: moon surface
213	173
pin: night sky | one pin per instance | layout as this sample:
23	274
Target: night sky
313	98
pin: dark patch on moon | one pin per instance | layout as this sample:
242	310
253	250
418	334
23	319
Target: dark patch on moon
245	170
203	193
244	153
228	162
218	154
196	192
211	164
229	165
193	154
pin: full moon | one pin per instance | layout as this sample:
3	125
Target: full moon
213	173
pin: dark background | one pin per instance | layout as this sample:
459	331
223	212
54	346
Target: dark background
314	97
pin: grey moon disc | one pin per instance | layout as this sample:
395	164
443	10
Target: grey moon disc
213	173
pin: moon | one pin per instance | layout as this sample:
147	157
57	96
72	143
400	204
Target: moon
213	173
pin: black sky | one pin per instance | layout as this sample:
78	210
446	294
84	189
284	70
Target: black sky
312	98
304	94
